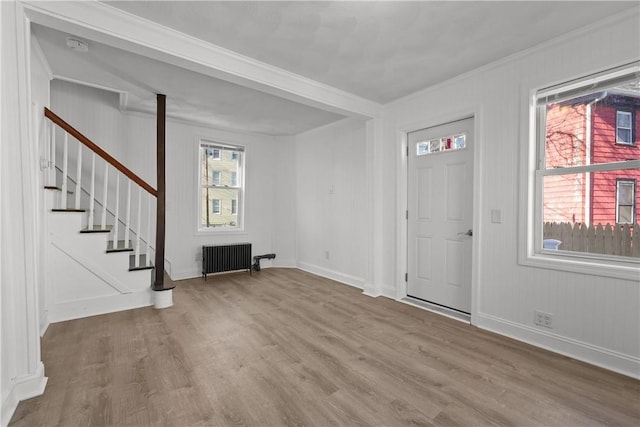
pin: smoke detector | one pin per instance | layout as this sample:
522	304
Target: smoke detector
77	45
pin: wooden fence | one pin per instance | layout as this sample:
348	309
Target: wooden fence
619	239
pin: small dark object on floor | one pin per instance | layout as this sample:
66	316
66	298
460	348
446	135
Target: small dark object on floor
257	258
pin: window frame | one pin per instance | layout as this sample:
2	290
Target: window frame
630	128
530	246
240	188
633	199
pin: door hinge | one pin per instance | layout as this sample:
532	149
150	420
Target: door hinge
407	151
406	277
406	216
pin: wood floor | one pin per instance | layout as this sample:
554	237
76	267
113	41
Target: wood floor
283	347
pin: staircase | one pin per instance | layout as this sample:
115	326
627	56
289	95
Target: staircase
99	240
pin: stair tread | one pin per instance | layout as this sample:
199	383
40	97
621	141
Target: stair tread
143	263
55	187
68	210
97	229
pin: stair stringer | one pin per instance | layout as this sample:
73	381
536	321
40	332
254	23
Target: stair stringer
83	279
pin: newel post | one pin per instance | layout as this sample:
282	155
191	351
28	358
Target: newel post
163	296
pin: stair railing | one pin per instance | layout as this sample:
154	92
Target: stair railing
76	181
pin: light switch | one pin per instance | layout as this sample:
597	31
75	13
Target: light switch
496	216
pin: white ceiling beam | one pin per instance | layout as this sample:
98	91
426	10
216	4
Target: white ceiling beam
105	24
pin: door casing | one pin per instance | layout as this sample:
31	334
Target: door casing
402	132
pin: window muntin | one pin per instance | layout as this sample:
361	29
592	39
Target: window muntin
221	187
446	143
579	165
625	201
624	127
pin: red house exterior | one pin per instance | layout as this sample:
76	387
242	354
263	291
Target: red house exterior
593	129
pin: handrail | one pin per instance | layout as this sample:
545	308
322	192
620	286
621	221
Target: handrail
99	151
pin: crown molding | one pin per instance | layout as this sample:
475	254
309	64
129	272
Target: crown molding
106	24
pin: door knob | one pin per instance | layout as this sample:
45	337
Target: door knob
469	232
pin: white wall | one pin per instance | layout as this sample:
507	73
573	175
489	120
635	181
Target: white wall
283	228
595	318
40	81
94	112
331	201
21	370
183	242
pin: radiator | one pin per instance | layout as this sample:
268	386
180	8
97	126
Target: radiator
219	258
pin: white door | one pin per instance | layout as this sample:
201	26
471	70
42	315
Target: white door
440	214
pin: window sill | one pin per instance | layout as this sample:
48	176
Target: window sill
625	270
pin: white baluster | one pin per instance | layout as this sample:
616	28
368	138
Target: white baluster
137	252
79	177
105	187
127	225
116	212
52	155
65	165
92	191
148	229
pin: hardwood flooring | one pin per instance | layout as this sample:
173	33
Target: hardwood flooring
283	347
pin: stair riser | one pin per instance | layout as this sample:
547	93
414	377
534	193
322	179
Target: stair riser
82	278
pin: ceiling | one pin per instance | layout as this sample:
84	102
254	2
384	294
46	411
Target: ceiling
380	51
191	96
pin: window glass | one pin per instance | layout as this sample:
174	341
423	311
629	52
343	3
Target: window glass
585	177
624	127
446	143
221	186
215	178
626	198
215	206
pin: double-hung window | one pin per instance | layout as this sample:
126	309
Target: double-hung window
624	127
625	201
221	186
583	166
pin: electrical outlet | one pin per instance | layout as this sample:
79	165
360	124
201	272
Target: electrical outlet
543	319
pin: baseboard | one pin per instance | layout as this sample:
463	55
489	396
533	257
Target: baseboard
96	306
370	290
185	274
594	355
23	388
389	292
284	263
354	281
